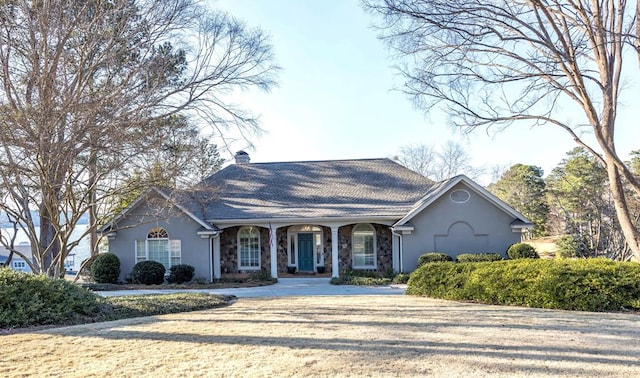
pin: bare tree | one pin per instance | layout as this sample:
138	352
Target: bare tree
439	164
418	157
82	85
503	62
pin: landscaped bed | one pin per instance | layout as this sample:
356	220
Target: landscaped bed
28	300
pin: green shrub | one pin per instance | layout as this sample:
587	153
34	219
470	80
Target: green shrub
359	280
260	275
148	273
401	278
478	257
85	267
433	257
181	273
587	285
106	268
389	273
567	246
360	273
522	251
28	299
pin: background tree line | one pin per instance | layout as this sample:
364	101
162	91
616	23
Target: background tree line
574	200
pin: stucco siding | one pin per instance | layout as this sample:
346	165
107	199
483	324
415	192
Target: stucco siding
475	226
195	251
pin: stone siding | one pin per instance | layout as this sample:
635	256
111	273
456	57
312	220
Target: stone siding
282	249
229	250
384	249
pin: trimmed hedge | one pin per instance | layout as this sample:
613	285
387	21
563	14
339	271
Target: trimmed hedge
478	257
148	273
586	285
433	257
181	273
522	251
360	281
28	299
106	268
401	278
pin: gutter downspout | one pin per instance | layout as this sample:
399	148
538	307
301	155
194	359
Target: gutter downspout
399	247
211	257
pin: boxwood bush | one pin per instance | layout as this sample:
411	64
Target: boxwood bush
522	251
478	257
181	273
433	257
148	273
28	299
106	268
586	285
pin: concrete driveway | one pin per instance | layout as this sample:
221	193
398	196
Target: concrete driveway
285	287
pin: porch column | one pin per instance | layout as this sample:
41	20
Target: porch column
216	257
273	245
335	268
395	251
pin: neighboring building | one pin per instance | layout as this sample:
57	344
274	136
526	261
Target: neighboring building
17	262
370	214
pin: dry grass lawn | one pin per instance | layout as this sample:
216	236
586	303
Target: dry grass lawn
336	336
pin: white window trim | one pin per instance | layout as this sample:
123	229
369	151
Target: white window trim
292	238
240	267
170	249
375	248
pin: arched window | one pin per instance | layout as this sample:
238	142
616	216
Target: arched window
158	247
158	233
363	247
249	248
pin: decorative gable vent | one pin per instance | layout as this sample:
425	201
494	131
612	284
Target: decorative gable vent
460	196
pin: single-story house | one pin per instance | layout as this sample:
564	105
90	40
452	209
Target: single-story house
370	214
17	262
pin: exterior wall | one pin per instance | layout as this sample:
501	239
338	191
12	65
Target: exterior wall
283	248
17	262
229	248
326	237
229	251
194	249
383	247
475	226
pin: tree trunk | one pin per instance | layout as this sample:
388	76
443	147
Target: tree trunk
629	230
48	248
93	207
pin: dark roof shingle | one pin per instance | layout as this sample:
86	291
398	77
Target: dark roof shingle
309	189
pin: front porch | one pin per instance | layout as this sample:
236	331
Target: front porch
307	248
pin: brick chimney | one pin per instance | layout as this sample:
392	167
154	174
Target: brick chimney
242	157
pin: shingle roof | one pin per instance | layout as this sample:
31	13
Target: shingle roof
309	189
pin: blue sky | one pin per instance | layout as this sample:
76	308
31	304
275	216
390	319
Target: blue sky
335	98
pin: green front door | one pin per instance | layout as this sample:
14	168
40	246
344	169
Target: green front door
305	252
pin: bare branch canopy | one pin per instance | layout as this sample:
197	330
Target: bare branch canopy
501	63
